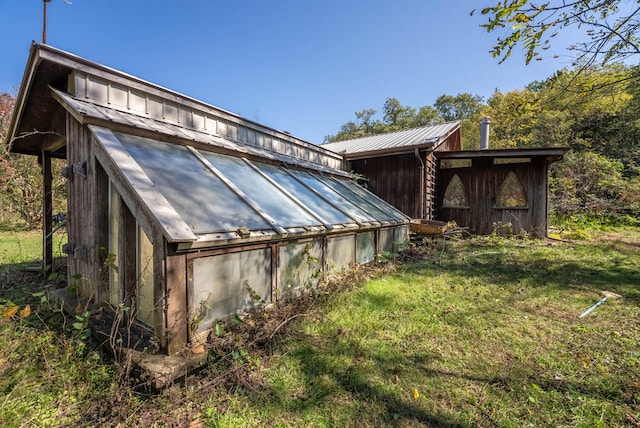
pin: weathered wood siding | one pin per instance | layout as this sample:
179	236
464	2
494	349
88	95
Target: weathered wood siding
216	280
395	178
83	216
482	182
146	100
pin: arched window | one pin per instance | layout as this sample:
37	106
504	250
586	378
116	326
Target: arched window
511	193
455	196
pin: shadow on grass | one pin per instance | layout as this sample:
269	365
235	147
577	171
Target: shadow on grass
336	368
585	267
18	281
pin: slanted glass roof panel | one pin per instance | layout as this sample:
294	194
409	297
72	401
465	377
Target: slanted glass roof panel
387	211
326	211
199	197
259	190
338	200
371	208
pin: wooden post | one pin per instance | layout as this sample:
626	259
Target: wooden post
177	303
47	214
128	253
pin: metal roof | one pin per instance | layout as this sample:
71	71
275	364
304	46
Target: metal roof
51	68
87	112
396	142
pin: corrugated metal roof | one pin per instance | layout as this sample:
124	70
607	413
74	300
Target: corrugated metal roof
396	141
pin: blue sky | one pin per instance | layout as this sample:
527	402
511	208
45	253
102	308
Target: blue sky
299	66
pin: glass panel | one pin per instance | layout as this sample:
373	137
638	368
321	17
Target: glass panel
267	197
114	231
511	193
381	209
455	195
338	200
145	304
325	210
201	199
371	208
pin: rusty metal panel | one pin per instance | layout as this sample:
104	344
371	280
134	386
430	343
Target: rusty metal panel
228	283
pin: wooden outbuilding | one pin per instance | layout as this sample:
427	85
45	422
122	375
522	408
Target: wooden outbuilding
400	167
180	211
424	173
496	190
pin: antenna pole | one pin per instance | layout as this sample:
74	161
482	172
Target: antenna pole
44	21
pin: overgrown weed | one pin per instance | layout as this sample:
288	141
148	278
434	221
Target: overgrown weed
462	332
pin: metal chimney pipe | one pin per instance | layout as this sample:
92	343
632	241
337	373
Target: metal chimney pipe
484	132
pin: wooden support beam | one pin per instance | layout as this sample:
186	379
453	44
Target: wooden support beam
128	247
176	303
47	214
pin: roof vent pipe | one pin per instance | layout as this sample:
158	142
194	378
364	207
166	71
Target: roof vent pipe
484	132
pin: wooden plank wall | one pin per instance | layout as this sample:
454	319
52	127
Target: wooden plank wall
482	182
396	179
84	259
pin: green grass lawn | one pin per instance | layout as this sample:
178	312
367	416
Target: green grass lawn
26	247
481	332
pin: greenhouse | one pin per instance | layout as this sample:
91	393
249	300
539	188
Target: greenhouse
181	211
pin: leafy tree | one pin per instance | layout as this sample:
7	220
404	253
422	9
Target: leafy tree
21	178
426	116
610	26
459	107
591	184
397	116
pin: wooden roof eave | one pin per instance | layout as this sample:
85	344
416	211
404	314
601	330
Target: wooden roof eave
45	139
174	134
73	62
552	154
391	151
25	87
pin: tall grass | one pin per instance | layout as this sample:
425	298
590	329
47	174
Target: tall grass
476	332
